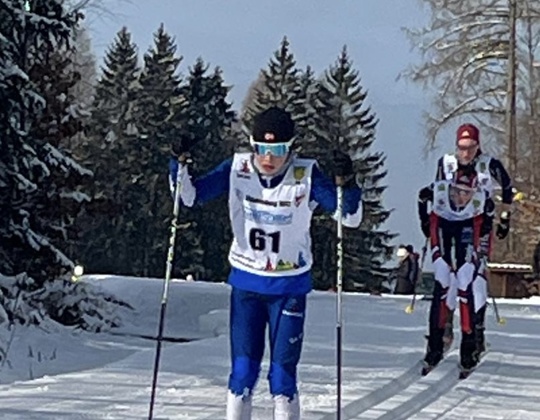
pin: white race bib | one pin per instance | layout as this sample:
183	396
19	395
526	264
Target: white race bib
270	225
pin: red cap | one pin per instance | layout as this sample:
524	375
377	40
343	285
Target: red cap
468	131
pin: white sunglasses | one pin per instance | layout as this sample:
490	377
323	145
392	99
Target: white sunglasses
274	149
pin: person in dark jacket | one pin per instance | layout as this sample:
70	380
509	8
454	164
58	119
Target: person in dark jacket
407	271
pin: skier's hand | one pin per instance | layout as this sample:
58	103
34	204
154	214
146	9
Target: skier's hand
426	194
181	147
343	167
504	225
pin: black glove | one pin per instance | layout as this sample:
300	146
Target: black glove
343	166
504	226
182	145
426	194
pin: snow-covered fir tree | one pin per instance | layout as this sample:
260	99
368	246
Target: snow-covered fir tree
208	118
351	126
63	193
24	160
38	178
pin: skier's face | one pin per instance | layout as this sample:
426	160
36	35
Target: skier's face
461	195
269	164
466	150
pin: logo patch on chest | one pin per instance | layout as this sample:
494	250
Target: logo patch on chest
299	172
244	171
267	218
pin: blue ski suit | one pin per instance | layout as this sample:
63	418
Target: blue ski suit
257	301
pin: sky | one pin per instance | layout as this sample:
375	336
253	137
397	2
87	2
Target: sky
240	36
56	373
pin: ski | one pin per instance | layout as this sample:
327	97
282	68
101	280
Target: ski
465	373
448	340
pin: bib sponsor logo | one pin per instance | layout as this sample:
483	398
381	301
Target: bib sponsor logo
267	218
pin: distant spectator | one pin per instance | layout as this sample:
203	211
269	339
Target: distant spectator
407	271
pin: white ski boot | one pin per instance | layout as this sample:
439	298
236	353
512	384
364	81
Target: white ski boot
238	407
286	408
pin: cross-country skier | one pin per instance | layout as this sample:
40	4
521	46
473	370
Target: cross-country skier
272	195
460	221
489	171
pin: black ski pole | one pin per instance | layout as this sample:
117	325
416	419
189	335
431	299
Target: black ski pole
500	320
169	265
339	287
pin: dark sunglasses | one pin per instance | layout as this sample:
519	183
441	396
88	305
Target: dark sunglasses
467	148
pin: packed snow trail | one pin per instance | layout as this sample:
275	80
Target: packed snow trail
381	374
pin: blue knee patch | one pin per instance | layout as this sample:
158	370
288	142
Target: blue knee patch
244	375
282	379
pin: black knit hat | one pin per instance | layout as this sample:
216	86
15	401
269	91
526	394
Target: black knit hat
273	125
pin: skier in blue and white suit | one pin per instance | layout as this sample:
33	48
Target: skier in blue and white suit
272	196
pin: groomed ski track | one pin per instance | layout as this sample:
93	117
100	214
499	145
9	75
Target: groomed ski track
410	394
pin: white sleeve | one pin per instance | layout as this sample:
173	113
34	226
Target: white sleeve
354	220
351	220
187	189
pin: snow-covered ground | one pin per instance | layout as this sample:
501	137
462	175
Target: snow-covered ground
57	374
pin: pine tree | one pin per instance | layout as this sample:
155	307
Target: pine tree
31	163
309	111
159	102
161	107
309	115
63	118
208	118
352	127
39	181
114	132
279	84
